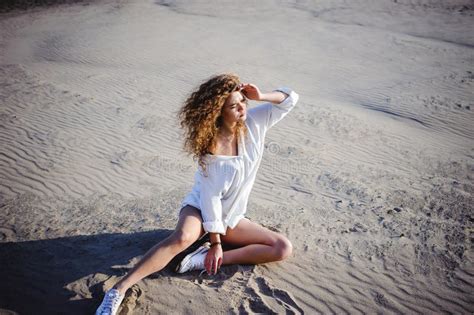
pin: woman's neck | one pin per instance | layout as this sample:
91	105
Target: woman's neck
228	132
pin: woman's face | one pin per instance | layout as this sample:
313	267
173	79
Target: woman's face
235	108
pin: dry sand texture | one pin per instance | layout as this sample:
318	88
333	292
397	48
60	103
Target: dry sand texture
371	175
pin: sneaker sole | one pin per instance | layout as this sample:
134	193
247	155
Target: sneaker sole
188	257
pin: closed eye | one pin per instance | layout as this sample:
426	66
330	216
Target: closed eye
245	100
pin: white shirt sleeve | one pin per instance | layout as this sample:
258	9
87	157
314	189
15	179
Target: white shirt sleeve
268	114
211	191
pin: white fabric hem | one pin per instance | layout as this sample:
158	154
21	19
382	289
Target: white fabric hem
214	227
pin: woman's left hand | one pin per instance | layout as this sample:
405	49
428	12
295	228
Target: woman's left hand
251	91
213	259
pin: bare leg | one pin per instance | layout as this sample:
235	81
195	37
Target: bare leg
260	245
188	230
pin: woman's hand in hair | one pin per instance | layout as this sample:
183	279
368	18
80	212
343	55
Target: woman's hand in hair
251	91
213	259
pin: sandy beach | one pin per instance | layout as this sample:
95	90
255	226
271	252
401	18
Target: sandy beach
370	176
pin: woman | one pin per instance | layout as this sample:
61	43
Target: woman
227	139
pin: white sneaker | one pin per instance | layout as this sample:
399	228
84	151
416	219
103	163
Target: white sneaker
111	303
195	260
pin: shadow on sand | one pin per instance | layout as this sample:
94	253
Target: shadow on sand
11	5
34	274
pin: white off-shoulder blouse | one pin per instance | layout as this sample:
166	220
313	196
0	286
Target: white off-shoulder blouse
223	194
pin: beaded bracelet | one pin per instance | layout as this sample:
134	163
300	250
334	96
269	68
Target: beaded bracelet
216	243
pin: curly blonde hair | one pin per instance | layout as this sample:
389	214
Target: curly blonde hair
200	116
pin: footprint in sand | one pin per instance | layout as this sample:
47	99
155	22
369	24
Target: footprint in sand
271	299
130	301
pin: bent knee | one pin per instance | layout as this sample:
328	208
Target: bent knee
283	248
183	239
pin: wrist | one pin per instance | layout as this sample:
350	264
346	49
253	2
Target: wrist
214	237
265	97
216	244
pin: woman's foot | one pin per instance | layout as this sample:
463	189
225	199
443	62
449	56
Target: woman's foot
195	260
110	303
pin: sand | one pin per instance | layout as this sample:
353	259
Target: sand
370	176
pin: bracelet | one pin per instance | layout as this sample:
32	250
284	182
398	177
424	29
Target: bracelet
216	243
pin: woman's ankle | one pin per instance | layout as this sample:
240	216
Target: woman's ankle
121	288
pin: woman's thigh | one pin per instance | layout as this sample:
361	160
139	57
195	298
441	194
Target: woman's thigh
247	232
189	226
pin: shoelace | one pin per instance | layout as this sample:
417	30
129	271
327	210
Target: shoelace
110	301
197	265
